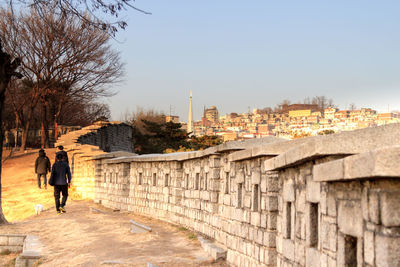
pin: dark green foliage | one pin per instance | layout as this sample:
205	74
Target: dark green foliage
159	137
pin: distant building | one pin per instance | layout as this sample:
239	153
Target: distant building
386	116
286	108
329	113
299	113
174	119
211	114
342	114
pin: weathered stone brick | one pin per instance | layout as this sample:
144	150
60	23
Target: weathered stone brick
369	247
271	203
300	253
263	220
256	176
263	183
331	205
373	207
256	219
312	257
390	209
313	190
272	182
288	249
350	219
16	240
288	192
3	240
269	239
387	251
270	257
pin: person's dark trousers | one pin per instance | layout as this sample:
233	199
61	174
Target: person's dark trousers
64	190
44	179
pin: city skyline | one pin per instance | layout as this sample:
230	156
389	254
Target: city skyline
234	56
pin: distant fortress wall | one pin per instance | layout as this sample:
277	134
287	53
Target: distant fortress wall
321	201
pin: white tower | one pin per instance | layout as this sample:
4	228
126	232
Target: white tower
190	119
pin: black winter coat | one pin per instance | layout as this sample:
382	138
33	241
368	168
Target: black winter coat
60	173
64	156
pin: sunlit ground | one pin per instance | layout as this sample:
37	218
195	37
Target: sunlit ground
20	192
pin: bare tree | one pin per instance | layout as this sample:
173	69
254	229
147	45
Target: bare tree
22	97
136	118
283	105
103	15
307	100
352	106
84	114
8	65
322	101
64	58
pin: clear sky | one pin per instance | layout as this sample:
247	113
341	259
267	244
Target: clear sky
240	54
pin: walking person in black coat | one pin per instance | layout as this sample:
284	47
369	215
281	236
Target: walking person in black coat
61	180
62	152
42	167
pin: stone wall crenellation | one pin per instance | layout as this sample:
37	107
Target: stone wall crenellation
320	201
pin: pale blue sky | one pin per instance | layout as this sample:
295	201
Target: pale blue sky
240	54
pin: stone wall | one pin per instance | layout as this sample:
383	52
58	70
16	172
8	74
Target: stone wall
319	201
87	142
111	137
11	243
106	136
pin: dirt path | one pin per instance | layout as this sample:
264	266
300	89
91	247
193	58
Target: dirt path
84	238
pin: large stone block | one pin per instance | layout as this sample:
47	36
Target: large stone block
390	209
350	218
313	190
301	201
300	253
271	203
288	249
331	205
3	240
272	181
256	219
16	240
239	176
270	257
270	239
288	191
373	207
256	176
272	218
369	247
312	257
215	162
387	250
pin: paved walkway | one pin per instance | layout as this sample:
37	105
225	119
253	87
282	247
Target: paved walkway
84	238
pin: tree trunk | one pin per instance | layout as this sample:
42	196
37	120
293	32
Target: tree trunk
7	70
55	131
16	138
24	136
44	126
16	130
26	124
3	87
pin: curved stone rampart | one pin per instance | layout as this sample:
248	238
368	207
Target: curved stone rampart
321	201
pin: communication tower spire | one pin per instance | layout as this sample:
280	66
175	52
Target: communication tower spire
190	117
